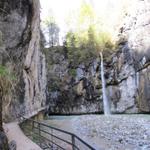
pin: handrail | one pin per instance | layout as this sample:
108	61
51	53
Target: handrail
72	143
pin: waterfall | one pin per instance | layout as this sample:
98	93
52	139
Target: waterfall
105	99
137	78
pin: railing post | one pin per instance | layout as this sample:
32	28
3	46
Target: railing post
32	126
52	137
39	128
39	134
73	142
32	129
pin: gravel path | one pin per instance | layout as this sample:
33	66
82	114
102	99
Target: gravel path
115	132
14	132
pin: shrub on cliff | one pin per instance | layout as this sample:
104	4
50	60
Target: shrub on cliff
84	49
4	86
6	81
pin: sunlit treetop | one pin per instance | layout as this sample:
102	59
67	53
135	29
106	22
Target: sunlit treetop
66	12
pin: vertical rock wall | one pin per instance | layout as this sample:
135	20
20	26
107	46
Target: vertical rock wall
130	65
20	27
72	90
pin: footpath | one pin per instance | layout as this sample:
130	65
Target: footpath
14	133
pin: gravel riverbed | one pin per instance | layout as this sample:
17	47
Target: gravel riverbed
115	132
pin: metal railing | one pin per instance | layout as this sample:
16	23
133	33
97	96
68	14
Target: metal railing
48	137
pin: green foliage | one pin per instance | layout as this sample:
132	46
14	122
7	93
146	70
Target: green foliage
7	81
88	38
72	72
51	53
5	88
86	17
51	30
84	49
71	39
54	83
3	71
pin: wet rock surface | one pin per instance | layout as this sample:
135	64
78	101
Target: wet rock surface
118	132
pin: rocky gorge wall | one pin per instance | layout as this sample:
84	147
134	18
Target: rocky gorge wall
71	90
74	90
22	55
131	71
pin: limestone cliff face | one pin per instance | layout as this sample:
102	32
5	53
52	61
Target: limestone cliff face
127	74
20	27
131	72
71	90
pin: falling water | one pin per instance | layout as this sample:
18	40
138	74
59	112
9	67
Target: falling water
137	78
105	99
